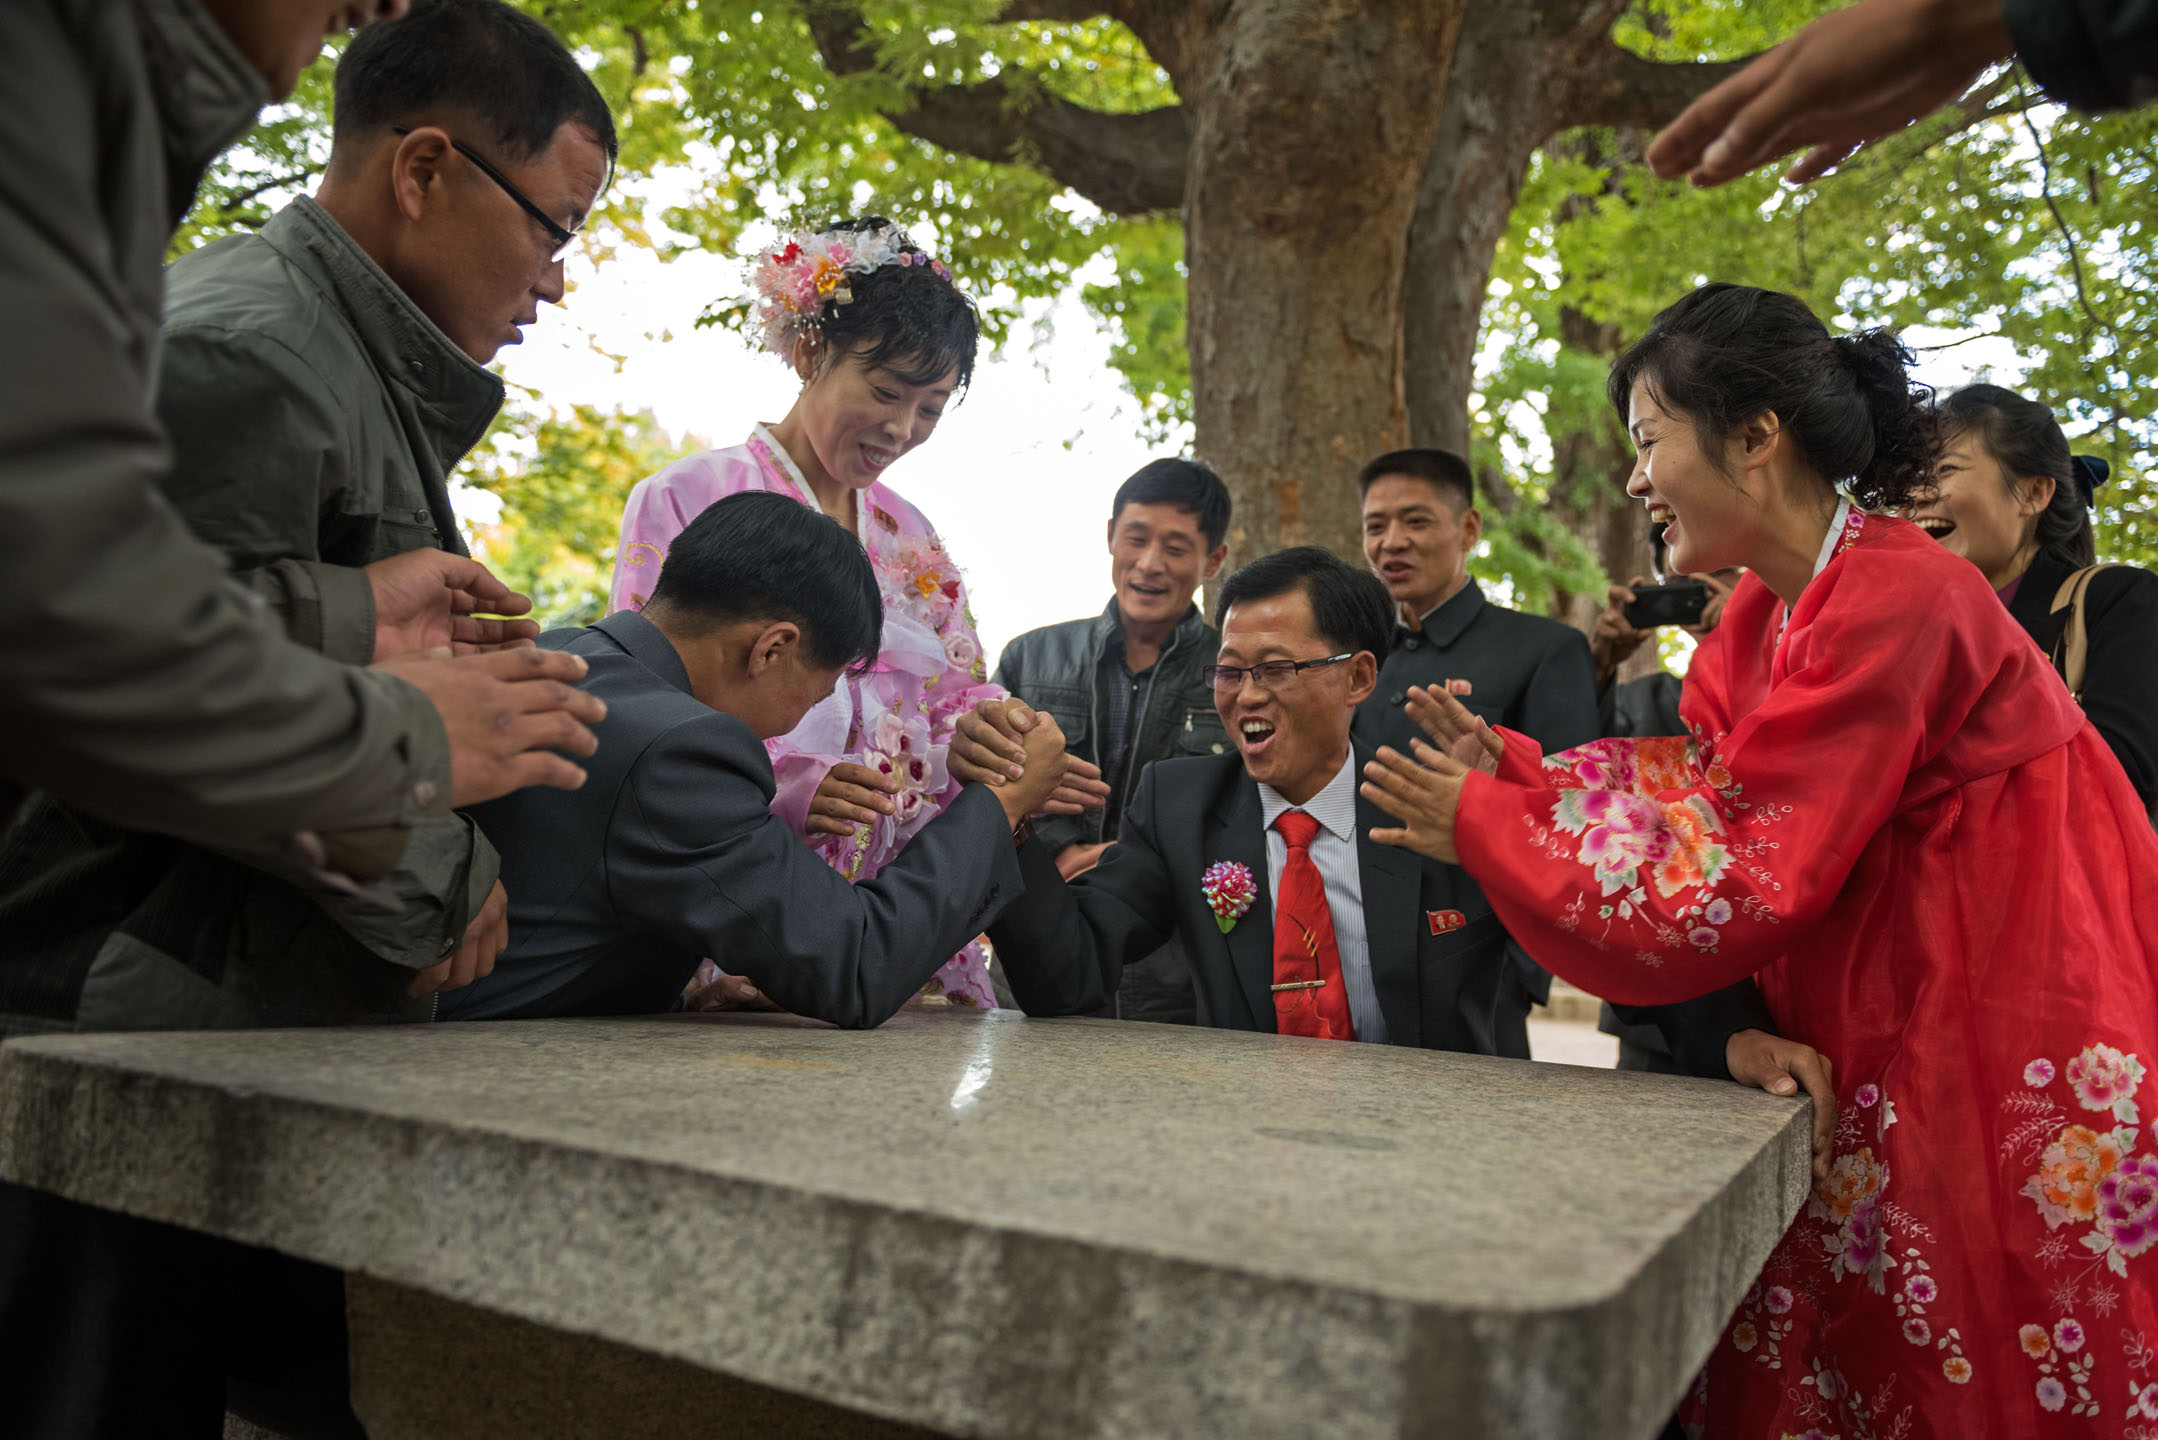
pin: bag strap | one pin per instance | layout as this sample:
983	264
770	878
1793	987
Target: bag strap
2071	652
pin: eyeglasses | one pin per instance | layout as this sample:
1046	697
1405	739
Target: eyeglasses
560	238
1267	674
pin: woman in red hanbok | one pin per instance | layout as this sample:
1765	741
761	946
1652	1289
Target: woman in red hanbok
1892	815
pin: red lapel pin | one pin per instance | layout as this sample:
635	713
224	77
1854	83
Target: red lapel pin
1444	920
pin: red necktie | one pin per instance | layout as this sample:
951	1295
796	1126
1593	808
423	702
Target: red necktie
1304	950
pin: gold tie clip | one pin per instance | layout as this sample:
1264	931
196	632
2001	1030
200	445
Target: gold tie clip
1297	985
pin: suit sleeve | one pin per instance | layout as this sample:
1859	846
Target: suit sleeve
2120	675
696	856
1697	1031
138	683
2088	54
1559	708
1065	944
257	452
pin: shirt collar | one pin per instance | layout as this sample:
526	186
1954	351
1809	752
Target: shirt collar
1834	538
1333	807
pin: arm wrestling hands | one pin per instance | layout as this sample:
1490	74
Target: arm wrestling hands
1425	797
990	745
994	745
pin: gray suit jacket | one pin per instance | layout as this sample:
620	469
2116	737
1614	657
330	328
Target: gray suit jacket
1064	946
670	852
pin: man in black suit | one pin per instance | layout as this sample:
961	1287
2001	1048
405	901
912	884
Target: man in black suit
670	851
1416	954
1526	672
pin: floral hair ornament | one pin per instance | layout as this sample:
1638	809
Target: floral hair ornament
791	283
1229	891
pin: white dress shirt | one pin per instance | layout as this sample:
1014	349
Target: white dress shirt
1333	852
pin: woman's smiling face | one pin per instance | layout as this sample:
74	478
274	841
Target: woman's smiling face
1978	511
1710	518
860	418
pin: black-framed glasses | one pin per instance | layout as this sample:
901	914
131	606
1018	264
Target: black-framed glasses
1267	674
558	237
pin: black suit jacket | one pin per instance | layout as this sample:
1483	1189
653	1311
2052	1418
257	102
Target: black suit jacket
670	852
1064	945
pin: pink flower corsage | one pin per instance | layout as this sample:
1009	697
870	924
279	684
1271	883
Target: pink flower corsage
1229	891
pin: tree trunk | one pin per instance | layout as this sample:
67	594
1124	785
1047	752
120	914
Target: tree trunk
1297	218
1493	119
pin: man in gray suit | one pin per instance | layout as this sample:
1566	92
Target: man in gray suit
670	852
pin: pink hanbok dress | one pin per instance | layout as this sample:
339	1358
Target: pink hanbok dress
899	716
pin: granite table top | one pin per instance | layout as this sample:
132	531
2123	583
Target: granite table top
982	1224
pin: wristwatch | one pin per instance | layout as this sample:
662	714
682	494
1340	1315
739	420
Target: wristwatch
1022	831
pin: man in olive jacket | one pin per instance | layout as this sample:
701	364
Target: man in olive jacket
1125	685
320	380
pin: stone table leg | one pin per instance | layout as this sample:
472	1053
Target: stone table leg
426	1368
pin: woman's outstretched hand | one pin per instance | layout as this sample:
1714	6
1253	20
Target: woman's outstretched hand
1422	796
1458	732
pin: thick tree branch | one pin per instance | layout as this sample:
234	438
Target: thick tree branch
1127	164
1618	87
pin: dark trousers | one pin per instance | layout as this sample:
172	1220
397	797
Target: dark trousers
114	1328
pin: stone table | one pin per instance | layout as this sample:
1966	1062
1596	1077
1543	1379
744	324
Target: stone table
977	1225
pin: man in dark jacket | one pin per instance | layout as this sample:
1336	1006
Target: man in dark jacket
320	380
1260	859
1125	685
671	852
1522	671
142	685
137	681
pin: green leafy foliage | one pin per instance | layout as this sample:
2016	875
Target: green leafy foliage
563	479
2024	235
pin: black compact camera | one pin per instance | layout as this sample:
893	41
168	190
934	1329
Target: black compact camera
1678	603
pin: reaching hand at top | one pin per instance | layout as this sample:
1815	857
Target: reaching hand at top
1849	77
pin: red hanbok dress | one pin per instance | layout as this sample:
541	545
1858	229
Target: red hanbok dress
1892	815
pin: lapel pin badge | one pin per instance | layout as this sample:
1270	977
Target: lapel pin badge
1442	921
1460	687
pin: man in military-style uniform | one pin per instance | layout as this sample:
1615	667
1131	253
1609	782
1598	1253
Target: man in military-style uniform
1522	671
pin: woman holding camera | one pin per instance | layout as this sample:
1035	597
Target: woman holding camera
2008	497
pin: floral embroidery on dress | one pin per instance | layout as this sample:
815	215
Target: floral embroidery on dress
2085	1175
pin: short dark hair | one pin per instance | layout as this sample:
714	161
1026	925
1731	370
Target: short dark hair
1349	606
1443	470
1187	484
761	556
908	319
1726	353
483	57
2025	439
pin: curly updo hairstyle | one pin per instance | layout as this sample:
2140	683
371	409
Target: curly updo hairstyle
907	319
1727	353
2024	438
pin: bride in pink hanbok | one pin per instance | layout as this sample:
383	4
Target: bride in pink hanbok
883	342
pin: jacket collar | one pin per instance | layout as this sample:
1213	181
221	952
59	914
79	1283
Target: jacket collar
1191	630
1444	625
648	646
207	94
457	396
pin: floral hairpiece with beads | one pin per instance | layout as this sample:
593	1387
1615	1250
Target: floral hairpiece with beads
791	283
